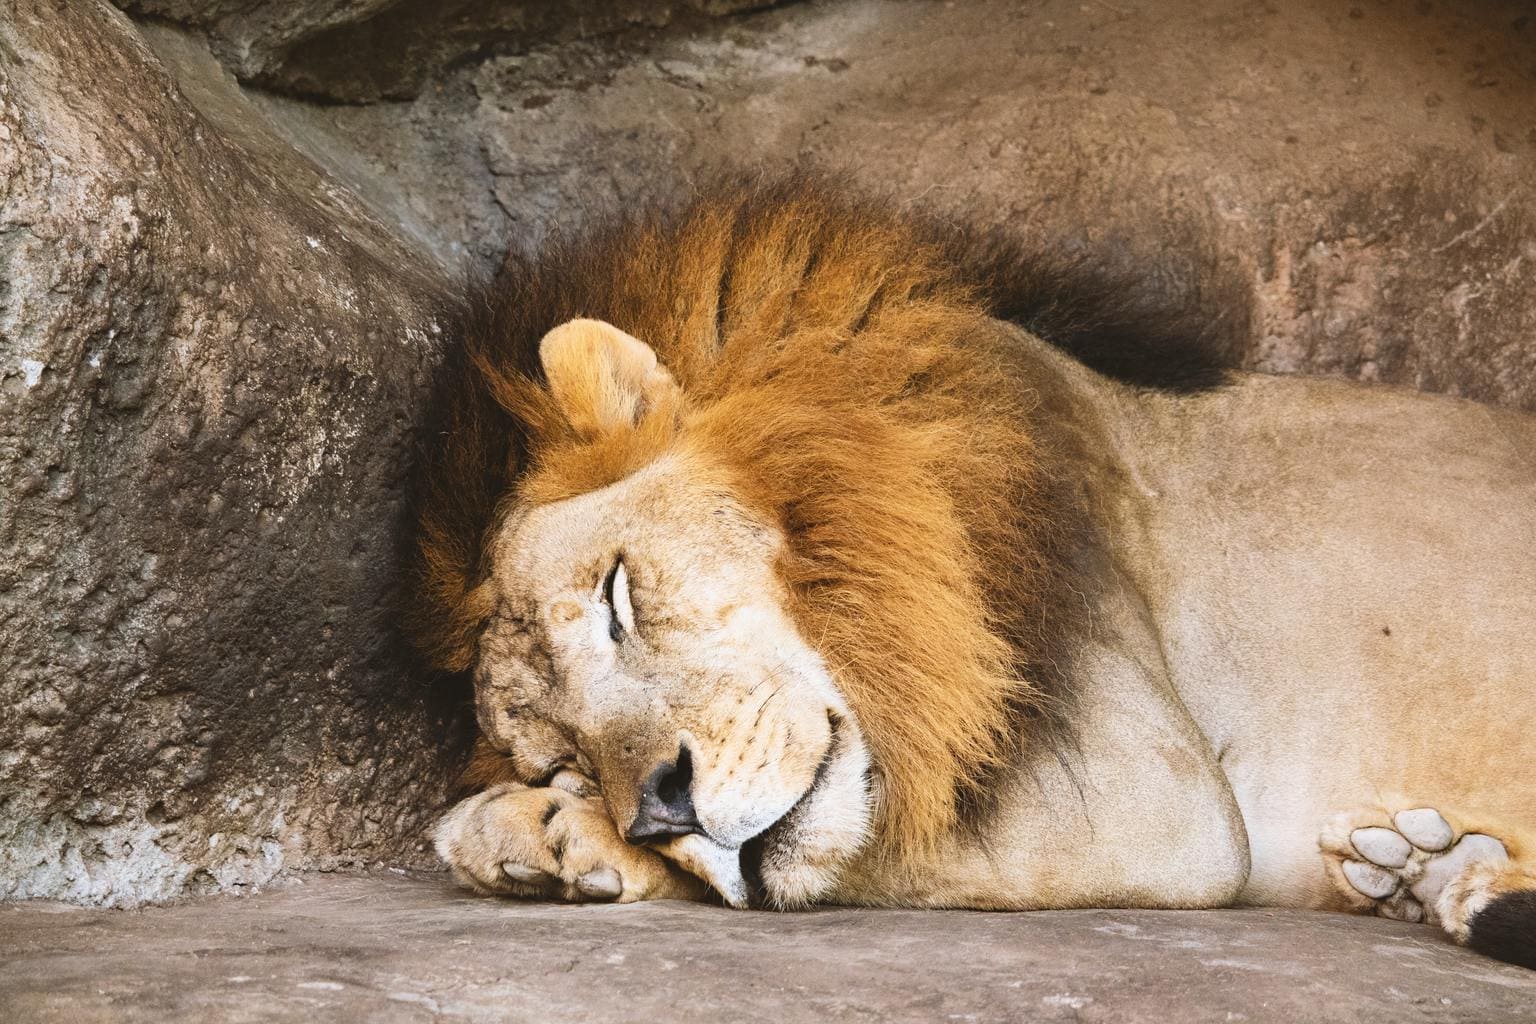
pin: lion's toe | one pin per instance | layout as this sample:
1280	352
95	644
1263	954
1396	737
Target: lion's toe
1382	847
1425	828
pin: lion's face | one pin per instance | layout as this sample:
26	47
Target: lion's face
641	639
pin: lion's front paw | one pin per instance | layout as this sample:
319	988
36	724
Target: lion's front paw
551	844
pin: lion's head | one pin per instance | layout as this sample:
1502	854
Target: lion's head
642	637
773	585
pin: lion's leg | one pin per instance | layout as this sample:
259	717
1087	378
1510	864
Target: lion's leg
1419	864
549	843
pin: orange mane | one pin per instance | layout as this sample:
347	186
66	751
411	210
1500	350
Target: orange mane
827	356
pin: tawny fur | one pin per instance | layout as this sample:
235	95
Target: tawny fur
820	349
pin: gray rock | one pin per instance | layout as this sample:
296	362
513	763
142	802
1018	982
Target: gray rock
1347	196
365	50
400	949
211	363
1344	189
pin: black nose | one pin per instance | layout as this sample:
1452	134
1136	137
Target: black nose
666	805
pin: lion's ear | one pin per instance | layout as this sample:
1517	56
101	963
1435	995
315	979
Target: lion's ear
602	378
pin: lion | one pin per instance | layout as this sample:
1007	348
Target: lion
795	558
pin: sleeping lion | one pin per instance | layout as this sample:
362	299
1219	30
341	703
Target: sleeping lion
796	559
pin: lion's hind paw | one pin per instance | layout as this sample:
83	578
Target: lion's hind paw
1404	867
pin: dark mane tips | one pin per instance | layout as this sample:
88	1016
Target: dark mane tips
1124	325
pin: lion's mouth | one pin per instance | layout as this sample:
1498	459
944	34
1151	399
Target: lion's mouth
752	853
777	837
738	875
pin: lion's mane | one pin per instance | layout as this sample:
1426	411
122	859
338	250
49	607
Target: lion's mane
825	350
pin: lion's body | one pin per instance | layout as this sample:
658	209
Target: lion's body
1343	581
925	612
1320	598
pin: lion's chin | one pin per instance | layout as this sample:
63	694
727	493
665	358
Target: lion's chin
798	858
718	865
768	870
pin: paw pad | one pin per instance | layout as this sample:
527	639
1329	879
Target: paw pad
1369	880
1381	846
1424	828
1405	868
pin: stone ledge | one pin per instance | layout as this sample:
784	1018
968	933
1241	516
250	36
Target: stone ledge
394	947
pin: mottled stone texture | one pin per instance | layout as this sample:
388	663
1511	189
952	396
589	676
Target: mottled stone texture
389	949
210	360
363	50
1346	188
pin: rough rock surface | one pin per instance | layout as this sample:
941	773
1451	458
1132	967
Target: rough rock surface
1349	189
389	949
211	359
365	50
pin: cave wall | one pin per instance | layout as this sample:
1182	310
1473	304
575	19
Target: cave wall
211	358
361	51
1346	189
227	230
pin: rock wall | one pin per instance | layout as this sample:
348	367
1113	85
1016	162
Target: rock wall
225	229
1346	189
211	358
359	51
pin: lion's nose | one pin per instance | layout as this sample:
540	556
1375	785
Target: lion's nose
666	802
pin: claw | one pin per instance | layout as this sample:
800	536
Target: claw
717	865
602	884
524	874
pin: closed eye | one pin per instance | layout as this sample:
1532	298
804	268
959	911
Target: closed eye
621	609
